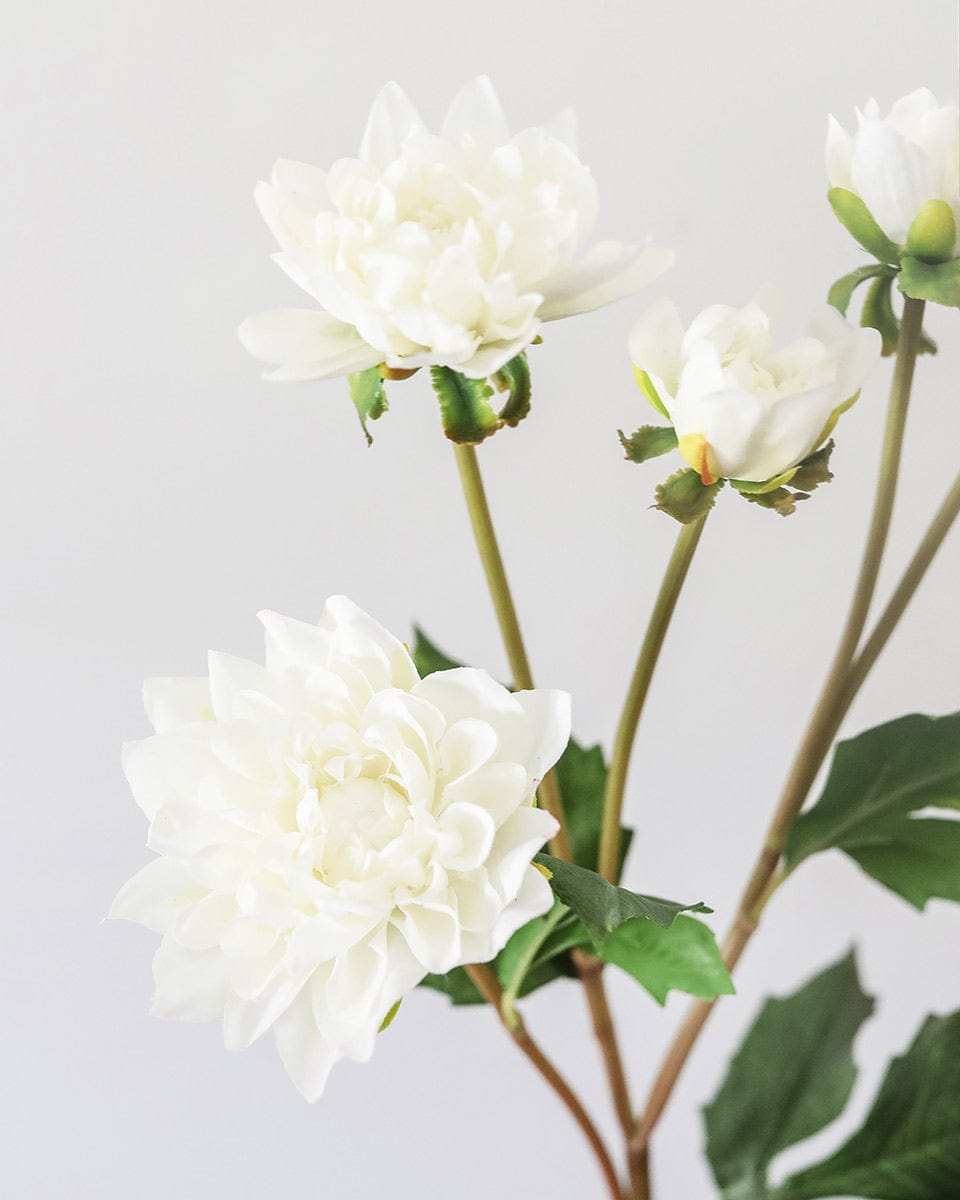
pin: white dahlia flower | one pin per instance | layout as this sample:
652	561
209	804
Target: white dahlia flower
446	249
741	409
903	166
329	829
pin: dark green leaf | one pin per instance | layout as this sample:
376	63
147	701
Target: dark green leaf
427	657
602	906
456	984
877	784
514	379
369	397
685	497
842	291
877	313
939	283
855	216
814	470
684	957
650	441
464	406
909	1145
791	1077
582	778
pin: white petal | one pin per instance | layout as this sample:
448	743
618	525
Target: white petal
608	272
433	935
473	831
156	894
169	767
475	116
308	344
894	177
517	841
307	1056
654	344
191	984
533	900
491	356
171	703
839	155
550	719
392	120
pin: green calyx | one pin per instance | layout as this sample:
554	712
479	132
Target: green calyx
856	218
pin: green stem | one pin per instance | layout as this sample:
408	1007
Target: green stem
675	574
824	723
489	987
511	992
486	539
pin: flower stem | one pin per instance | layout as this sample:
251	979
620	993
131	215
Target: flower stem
834	700
489	987
675	574
486	539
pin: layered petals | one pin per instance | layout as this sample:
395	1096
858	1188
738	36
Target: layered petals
331	828
449	249
741	409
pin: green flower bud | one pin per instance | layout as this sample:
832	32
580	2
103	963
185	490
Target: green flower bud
932	236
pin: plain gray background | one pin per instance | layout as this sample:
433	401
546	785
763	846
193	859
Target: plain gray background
157	493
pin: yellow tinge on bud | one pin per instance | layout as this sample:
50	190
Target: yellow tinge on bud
932	236
696	450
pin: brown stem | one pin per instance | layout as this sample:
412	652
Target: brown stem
489	987
824	723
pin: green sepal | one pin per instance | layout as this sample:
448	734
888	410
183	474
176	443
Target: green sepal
749	487
814	470
685	497
841	293
923	281
388	1019
650	393
780	500
877	313
932	236
908	1147
683	958
650	441
877	784
854	215
514	379
465	407
369	397
602	906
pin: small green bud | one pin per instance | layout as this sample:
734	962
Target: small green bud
933	235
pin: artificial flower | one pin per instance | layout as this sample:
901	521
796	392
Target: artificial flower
905	167
329	829
446	249
742	410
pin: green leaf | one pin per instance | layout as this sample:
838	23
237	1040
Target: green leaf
650	441
909	1145
603	906
842	291
877	313
582	778
791	1077
684	957
464	406
514	379
427	657
650	393
932	236
456	984
854	215
939	283
877	784
369	397
685	498
781	500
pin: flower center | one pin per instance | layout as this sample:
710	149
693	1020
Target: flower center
353	824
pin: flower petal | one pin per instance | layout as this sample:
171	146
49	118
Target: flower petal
308	344
392	120
608	272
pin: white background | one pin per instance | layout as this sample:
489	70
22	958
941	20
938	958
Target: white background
157	493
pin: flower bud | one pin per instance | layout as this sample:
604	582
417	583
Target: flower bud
932	236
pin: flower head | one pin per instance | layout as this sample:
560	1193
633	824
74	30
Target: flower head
331	828
741	409
446	249
905	168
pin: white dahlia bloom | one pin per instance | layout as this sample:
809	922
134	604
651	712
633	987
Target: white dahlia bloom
742	410
330	828
445	249
898	164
